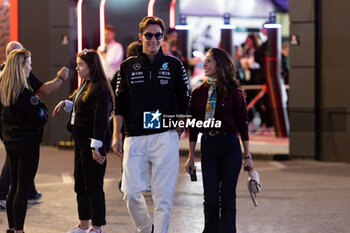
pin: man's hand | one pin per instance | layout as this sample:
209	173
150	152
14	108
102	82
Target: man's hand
189	165
117	145
63	73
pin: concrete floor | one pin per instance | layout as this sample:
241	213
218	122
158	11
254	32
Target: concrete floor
298	196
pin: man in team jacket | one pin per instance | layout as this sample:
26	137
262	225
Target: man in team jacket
150	85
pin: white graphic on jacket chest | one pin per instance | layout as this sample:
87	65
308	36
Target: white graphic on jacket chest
136	66
163	82
164	75
165	66
137	77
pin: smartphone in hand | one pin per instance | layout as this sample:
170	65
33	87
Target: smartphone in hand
193	174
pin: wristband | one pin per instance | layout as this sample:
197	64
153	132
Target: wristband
180	129
61	78
247	157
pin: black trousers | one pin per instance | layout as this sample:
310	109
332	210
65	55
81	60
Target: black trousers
5	181
88	176
24	160
221	160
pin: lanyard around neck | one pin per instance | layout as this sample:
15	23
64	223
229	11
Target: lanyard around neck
78	93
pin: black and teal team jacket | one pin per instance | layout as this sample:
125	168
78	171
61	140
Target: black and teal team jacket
145	86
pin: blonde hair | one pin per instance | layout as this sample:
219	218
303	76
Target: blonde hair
13	79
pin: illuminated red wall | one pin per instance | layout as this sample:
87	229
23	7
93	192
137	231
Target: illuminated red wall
4	29
8	24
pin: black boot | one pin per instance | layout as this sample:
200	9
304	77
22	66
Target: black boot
152	228
10	231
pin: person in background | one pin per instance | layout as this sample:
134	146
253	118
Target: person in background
155	83
111	53
131	50
285	62
90	107
251	45
236	59
263	106
23	116
38	87
166	46
252	76
219	98
172	39
285	72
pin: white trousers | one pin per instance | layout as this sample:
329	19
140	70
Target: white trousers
150	160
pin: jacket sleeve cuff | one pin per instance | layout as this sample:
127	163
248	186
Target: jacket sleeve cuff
68	106
96	144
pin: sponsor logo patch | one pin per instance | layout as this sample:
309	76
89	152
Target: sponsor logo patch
136	66
43	113
165	66
163	82
34	100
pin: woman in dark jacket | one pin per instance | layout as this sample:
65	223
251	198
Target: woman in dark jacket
219	99
90	107
23	117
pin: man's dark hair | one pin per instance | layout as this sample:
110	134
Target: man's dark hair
151	20
171	30
109	27
132	49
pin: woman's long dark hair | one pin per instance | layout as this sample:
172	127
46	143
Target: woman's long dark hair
97	75
225	71
256	40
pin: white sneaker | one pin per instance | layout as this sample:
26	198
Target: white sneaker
92	230
2	204
36	199
78	229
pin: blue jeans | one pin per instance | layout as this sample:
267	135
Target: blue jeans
221	159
